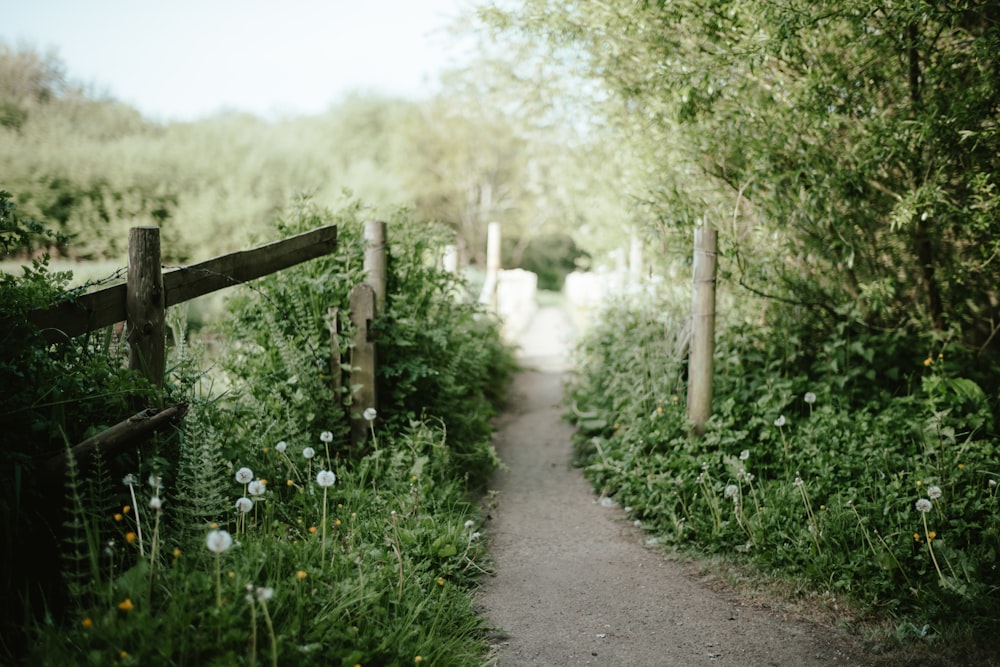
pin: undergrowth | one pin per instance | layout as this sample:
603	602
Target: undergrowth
254	533
877	488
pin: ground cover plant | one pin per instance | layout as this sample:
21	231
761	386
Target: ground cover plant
254	534
867	471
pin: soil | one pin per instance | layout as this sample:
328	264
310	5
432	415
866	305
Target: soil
575	582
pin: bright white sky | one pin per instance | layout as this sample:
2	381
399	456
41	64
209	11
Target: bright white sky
184	59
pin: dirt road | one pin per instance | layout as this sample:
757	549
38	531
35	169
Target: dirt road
574	583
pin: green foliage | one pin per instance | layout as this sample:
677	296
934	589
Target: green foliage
374	570
551	257
810	471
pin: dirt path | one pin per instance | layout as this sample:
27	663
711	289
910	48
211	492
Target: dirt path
574	584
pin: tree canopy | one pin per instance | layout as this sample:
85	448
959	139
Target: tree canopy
850	148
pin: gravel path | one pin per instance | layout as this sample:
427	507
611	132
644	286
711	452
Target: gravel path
574	583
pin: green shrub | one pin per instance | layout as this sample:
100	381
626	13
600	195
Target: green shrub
811	466
375	568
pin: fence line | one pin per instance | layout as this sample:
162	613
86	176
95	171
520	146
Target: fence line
141	303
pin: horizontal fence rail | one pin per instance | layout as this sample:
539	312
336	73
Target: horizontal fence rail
107	306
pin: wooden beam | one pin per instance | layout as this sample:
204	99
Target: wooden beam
116	439
363	361
700	366
144	305
105	307
189	282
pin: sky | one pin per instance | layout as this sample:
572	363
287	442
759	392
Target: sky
185	59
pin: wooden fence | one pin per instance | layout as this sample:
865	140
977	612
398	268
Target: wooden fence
141	303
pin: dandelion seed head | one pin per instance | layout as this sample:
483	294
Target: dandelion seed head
370	414
744	455
155	503
281	446
130	480
934	492
244	475
326	436
326	478
256	488
244	505
308	452
264	594
809	398
780	421
732	490
218	541
470	523
923	505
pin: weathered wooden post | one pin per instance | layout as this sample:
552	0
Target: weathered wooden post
375	264
363	360
367	302
336	361
449	258
699	399
493	241
145	304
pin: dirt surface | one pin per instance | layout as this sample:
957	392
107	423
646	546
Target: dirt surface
575	583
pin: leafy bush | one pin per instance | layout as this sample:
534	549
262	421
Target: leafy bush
888	498
322	555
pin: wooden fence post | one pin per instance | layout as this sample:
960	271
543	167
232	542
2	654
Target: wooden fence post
336	361
493	243
363	360
375	266
699	398
145	304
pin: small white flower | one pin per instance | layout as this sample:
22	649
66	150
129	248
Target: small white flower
256	488
326	436
370	414
281	446
923	505
326	478
155	503
244	505
934	492
780	421
308	452
732	490
244	475
809	398
744	455
218	541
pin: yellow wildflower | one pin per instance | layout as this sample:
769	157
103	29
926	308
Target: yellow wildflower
87	623
301	574
126	605
130	537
